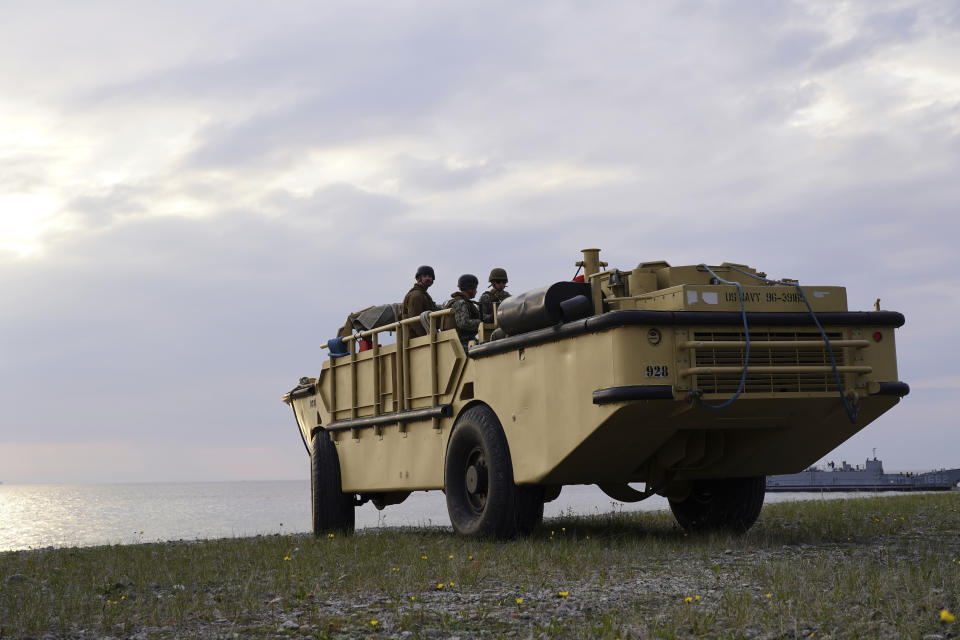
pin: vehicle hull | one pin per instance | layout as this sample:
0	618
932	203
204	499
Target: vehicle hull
601	401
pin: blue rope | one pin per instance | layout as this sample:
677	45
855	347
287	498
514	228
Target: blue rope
851	411
697	393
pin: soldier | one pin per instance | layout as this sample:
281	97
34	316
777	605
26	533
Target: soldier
466	316
498	280
418	300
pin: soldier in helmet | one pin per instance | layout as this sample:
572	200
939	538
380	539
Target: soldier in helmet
466	316
418	300
497	294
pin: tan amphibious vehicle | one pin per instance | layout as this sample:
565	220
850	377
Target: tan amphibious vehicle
697	381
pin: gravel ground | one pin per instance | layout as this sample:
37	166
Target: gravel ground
491	608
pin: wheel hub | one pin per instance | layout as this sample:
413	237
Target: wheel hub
475	480
472	479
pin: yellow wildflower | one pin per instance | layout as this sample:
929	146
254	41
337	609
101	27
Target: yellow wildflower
946	616
696	597
769	595
330	535
519	600
588	537
286	558
412	598
563	594
450	556
451	584
439	585
423	557
688	599
469	557
374	623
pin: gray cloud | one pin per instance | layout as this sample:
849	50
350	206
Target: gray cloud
877	30
337	205
94	211
423	174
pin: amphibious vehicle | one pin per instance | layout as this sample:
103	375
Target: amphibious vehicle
696	381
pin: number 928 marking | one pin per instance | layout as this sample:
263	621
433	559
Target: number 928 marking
657	371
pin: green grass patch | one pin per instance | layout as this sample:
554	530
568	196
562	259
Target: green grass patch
862	568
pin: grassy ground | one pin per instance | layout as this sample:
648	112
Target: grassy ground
865	568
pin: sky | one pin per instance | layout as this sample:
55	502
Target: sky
194	196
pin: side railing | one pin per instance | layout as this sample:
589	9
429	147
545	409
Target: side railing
398	409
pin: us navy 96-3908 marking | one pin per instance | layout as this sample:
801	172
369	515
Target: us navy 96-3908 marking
769	296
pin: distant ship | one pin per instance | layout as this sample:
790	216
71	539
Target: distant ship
868	478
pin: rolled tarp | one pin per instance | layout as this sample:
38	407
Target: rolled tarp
370	318
543	307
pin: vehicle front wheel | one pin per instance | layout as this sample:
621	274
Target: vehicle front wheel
333	510
726	504
482	499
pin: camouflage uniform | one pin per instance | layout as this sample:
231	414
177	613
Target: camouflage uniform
416	302
466	316
488	299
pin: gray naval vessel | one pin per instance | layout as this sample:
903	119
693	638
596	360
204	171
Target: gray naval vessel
870	477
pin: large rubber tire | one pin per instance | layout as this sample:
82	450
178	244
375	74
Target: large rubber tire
482	499
729	504
333	510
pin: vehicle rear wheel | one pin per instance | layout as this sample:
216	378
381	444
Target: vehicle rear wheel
333	510
482	499
726	504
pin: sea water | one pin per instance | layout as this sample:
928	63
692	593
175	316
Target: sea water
38	516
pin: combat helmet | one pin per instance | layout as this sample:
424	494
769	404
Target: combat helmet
467	281
425	270
498	273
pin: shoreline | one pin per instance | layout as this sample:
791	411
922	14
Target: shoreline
131	514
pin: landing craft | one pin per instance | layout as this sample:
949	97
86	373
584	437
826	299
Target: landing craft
870	477
697	381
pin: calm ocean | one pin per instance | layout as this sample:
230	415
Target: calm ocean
36	516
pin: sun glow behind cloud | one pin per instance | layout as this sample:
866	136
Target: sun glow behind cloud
24	219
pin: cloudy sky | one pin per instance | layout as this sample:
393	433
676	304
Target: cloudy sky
193	196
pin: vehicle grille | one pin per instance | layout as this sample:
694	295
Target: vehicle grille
727	383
